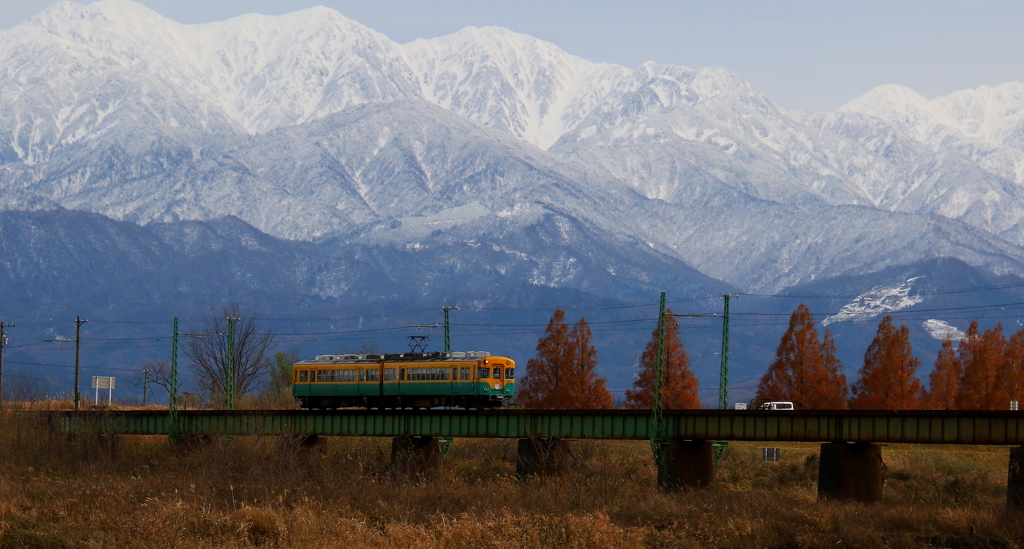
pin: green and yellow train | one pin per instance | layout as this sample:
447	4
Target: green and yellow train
410	380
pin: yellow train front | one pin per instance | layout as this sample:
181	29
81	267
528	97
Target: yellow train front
410	380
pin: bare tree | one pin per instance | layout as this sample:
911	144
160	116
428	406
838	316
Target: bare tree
155	373
208	351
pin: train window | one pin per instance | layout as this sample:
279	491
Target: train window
389	374
465	374
303	376
484	373
455	374
372	375
362	375
510	373
401	374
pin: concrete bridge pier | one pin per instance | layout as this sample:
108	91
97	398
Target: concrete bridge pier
310	443
850	471
190	441
416	457
687	464
542	456
1015	480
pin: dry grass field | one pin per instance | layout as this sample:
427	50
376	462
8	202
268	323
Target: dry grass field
271	492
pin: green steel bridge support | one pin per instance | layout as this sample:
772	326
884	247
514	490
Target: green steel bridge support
850	454
909	427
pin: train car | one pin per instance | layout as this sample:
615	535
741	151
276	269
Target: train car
410	380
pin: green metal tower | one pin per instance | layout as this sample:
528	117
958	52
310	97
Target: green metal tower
657	420
723	378
447	331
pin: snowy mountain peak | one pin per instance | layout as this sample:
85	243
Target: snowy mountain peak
887	98
509	81
985	125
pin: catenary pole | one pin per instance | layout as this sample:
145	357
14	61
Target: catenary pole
723	380
447	332
657	421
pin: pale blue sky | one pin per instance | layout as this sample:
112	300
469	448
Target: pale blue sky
805	54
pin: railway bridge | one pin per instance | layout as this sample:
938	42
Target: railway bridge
851	453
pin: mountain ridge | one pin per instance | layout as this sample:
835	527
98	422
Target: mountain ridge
310	126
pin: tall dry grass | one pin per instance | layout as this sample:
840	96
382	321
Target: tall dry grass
140	492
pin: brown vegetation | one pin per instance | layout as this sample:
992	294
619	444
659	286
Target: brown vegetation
804	371
562	376
142	492
944	382
680	389
888	380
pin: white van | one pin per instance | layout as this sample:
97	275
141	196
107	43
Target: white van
777	406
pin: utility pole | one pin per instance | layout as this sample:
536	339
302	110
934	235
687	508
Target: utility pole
78	345
657	421
3	341
145	385
229	383
447	333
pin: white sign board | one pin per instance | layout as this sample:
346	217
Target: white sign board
102	382
741	405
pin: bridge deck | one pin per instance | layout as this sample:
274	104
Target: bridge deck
930	427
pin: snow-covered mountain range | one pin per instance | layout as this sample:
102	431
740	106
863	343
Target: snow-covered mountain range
311	126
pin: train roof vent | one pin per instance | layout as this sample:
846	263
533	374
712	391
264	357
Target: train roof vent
326	357
374	357
478	354
457	354
351	357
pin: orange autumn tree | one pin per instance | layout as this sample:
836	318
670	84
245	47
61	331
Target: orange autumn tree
888	379
562	375
799	372
680	389
1013	363
834	370
944	382
982	356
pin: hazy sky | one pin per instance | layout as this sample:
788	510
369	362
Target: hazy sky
809	55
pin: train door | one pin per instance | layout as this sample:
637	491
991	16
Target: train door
401	380
454	371
361	382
